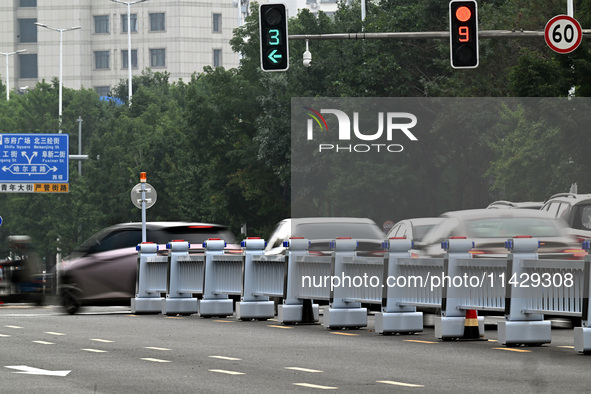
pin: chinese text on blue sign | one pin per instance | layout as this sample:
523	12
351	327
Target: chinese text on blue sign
34	163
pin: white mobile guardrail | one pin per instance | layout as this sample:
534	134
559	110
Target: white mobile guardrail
223	277
151	280
263	277
185	278
522	286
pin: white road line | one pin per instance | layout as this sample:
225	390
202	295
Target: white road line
156	348
95	350
227	372
400	383
155	360
303	369
44	342
101	340
4	336
315	386
226	358
54	333
13	326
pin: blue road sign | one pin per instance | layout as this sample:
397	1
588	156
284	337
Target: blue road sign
0	220
34	158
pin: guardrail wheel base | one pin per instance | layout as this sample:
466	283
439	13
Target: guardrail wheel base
216	308
514	333
399	322
146	305
248	310
583	340
448	328
336	318
288	314
180	306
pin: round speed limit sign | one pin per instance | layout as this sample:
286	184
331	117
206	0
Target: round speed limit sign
563	34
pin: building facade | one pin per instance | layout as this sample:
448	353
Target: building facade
177	36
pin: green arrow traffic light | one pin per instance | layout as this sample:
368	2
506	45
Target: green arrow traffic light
273	37
273	56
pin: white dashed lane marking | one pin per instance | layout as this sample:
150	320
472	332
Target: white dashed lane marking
226	358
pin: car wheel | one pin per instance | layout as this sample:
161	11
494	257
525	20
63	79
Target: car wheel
71	301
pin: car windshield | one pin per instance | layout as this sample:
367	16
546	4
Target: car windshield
503	227
335	230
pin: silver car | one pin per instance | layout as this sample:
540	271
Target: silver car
490	228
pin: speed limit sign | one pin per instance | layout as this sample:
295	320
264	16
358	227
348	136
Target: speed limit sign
563	34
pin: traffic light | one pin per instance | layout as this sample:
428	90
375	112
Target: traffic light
463	33
273	37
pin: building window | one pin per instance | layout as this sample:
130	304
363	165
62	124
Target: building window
27	30
101	24
28	65
101	60
217	57
157	22
124	54
157	57
217	23
133	18
103	90
28	3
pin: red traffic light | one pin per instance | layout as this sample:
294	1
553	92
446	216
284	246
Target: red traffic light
463	33
463	14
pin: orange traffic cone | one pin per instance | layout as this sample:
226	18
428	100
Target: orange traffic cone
471	325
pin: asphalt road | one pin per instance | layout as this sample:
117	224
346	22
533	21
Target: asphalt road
109	350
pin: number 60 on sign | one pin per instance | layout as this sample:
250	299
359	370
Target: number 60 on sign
563	34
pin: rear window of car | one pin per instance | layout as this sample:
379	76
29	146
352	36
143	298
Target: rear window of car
335	230
509	227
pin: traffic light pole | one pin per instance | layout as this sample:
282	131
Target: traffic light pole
424	35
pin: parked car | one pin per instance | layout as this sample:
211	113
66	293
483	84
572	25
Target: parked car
321	230
413	229
489	229
515	205
575	210
103	270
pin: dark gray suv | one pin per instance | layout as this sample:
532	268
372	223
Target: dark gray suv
574	209
103	270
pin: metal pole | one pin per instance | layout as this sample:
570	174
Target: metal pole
363	10
143	190
60	31
129	48
80	144
7	76
7	80
570	9
61	74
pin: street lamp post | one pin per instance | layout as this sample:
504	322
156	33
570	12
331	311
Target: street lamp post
7	77
61	31
129	4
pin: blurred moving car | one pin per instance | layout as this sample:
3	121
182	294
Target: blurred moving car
103	270
574	209
489	229
321	230
413	229
516	205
